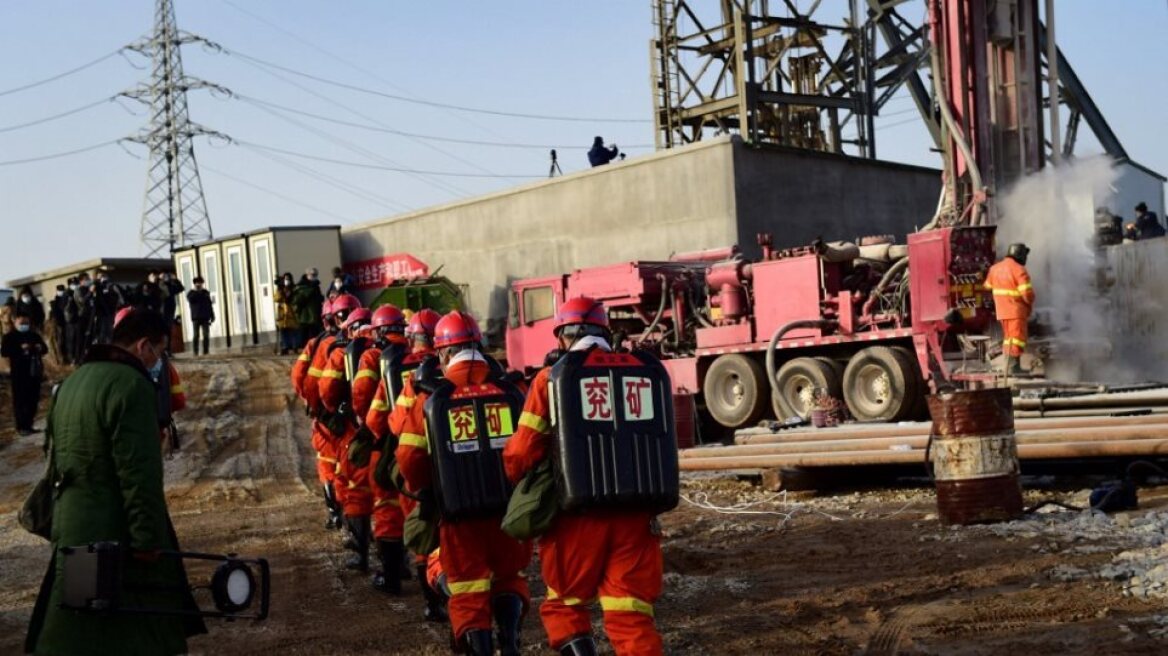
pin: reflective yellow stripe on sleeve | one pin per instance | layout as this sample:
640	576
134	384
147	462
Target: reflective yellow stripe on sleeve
631	604
178	389
303	357
414	440
469	587
365	373
406	401
332	373
379	405
314	372
534	422
1007	292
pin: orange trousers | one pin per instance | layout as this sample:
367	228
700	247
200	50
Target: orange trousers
610	556
1014	333
358	497
480	561
388	519
326	454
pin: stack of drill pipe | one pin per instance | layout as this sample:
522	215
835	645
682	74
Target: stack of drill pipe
1080	440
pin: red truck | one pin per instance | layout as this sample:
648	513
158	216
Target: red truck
877	325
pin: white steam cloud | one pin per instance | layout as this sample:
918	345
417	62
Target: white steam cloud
1052	212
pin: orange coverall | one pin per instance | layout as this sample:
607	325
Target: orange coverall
388	519
1013	302
357	499
609	555
479	559
397	418
178	391
310	391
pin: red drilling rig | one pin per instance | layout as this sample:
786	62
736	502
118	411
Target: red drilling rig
877	324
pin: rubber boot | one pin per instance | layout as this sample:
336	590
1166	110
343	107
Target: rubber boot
579	646
435	604
390	553
508	611
478	642
1013	366
362	531
334	512
350	533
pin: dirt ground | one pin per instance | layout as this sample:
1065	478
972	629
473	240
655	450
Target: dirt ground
855	572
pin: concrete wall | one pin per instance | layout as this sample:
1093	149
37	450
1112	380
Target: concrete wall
799	196
714	193
644	208
296	250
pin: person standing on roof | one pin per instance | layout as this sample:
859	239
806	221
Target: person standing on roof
1013	303
599	155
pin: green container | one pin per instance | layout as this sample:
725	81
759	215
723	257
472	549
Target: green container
437	293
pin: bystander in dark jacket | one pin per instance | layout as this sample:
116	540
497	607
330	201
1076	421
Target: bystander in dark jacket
25	351
202	311
28	305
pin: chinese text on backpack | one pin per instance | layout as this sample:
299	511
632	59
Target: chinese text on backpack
614	442
467	428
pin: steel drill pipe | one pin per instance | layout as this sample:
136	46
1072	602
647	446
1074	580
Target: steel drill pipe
1090	412
1049	436
923	428
1154	397
1116	449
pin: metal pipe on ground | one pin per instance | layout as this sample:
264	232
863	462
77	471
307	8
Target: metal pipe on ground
1154	397
1116	449
923	428
1109	413
1157	431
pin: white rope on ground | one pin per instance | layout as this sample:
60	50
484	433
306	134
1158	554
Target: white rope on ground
702	500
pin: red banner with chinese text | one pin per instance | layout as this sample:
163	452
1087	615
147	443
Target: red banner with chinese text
382	271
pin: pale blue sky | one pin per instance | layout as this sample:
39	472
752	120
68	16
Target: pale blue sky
587	59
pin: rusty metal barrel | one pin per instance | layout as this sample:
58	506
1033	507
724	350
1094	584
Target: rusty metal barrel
975	457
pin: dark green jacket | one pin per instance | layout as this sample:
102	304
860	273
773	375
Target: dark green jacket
306	301
108	456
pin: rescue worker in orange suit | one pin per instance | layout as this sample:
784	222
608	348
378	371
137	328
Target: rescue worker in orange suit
611	555
420	333
340	428
304	360
483	565
1013	303
388	327
326	450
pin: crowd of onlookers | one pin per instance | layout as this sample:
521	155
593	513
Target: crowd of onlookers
298	304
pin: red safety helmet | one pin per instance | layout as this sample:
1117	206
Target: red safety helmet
581	310
343	305
326	309
122	314
456	328
388	315
359	315
422	324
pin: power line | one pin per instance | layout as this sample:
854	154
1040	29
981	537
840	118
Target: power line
430	103
364	165
431	137
29	160
272	192
333	181
58	76
76	110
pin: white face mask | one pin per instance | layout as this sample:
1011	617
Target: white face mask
26	298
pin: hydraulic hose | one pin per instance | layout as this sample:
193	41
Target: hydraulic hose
783	330
896	268
660	311
951	124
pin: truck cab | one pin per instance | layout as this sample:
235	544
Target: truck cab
531	311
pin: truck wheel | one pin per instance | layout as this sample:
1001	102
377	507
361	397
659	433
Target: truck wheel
795	386
920	406
881	384
734	390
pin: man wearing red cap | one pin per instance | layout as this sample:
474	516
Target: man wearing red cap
608	554
483	565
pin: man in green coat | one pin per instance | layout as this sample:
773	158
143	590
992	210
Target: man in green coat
108	461
306	301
